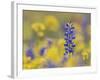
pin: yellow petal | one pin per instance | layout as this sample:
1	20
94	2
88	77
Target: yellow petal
38	26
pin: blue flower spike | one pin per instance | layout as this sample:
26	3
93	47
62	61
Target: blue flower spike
69	37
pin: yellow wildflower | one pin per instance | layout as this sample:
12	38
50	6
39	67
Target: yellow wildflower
53	54
79	47
85	54
38	62
72	61
51	22
27	66
26	59
38	26
79	41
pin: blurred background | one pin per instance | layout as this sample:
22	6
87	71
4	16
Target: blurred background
43	39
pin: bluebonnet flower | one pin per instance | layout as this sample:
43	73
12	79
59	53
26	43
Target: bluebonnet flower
49	42
29	53
69	37
42	51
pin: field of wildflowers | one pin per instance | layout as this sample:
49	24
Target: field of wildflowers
56	39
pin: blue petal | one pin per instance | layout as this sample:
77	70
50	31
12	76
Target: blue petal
70	50
66	48
73	37
70	41
73	45
66	44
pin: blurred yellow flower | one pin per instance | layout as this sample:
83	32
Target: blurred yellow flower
80	46
38	26
51	22
26	59
85	54
26	62
38	62
72	62
79	41
27	66
53	54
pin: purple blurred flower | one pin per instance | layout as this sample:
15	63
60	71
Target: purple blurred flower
51	64
42	51
29	53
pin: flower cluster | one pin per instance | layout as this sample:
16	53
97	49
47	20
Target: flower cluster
69	37
50	23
